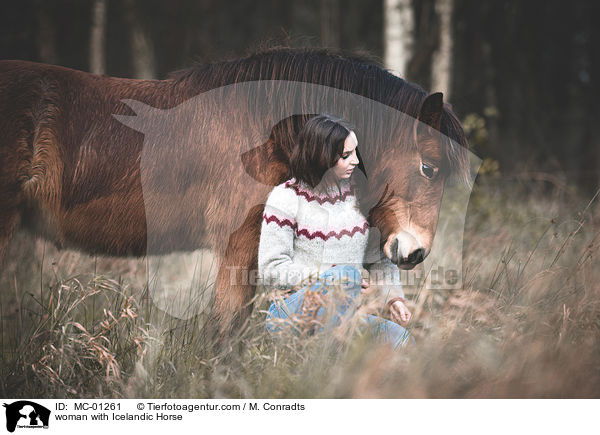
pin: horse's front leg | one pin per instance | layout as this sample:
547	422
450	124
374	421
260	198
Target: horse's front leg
236	280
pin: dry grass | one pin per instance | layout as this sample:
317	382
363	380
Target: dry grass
525	324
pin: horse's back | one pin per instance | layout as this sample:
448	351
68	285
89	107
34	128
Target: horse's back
63	156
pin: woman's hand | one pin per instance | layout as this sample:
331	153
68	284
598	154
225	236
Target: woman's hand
365	286
400	313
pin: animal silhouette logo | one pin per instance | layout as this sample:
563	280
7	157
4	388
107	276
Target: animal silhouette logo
26	414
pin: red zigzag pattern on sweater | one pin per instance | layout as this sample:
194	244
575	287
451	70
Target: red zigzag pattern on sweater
321	200
304	232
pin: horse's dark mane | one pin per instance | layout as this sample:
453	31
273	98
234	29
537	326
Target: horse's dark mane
355	74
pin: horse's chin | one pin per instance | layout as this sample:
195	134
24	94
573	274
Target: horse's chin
406	266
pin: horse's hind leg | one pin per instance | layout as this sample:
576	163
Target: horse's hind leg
11	194
16	133
9	218
235	285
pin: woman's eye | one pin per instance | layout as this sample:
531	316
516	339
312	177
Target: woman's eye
428	171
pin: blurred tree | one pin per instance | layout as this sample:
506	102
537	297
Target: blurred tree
46	35
98	37
527	67
426	41
142	51
330	23
398	35
441	65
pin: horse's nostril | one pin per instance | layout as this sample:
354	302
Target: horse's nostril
416	256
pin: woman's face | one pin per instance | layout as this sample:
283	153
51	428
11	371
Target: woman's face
349	160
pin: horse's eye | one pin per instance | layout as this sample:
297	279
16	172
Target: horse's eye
428	171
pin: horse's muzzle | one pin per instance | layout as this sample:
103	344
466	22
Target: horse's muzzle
409	258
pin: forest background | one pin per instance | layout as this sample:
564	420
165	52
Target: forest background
524	76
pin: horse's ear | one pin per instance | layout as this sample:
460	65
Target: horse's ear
431	110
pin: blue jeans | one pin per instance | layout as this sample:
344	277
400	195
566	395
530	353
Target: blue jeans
349	278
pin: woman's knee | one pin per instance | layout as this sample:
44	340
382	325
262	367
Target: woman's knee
390	332
347	275
399	336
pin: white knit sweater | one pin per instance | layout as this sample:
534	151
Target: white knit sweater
304	233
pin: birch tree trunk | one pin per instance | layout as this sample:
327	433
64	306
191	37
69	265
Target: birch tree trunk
399	23
142	52
441	68
98	38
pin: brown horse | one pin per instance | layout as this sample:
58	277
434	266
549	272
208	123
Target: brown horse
76	168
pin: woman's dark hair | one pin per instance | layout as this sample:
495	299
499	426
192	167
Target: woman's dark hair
320	145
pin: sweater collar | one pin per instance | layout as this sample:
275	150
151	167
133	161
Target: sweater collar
322	191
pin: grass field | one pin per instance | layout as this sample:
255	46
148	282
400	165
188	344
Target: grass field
526	322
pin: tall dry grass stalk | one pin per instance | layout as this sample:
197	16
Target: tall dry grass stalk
526	323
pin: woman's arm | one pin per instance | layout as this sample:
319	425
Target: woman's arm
276	265
384	284
385	278
384	275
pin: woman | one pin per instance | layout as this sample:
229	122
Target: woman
313	230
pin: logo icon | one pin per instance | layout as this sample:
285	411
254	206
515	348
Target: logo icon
26	414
